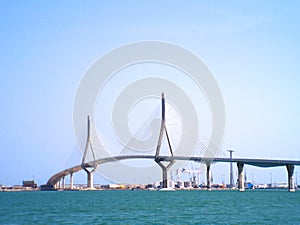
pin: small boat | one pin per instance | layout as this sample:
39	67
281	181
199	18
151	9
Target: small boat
167	189
151	189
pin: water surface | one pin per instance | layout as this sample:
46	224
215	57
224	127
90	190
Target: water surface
150	207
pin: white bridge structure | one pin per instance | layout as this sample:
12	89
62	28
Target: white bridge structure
166	162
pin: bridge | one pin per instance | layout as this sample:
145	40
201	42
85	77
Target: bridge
91	166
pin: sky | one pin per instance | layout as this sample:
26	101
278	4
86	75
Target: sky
252	49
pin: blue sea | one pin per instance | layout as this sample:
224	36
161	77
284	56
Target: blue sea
150	207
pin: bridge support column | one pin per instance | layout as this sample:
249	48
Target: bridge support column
90	175
241	186
63	182
165	178
90	179
208	177
165	169
71	180
290	169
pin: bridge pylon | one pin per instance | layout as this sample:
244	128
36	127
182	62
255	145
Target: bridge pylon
89	168
163	129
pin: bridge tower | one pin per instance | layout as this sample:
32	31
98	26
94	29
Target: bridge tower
163	129
88	167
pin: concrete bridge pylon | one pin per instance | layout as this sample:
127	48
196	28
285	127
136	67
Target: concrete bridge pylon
163	130
89	168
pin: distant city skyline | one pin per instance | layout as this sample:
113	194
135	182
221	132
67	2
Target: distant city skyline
251	48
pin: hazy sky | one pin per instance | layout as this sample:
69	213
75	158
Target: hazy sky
251	47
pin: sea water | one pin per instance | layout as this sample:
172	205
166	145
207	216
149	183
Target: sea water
150	207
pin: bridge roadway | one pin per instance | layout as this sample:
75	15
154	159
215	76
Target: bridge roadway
241	161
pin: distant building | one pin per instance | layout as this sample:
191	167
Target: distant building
16	187
114	186
261	186
29	183
280	185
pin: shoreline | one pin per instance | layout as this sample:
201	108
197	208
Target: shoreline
11	189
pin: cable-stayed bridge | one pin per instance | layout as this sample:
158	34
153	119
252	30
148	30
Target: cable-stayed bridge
166	161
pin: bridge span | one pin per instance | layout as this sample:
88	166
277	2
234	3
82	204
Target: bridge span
208	161
90	167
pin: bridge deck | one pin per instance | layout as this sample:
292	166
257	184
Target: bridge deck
254	162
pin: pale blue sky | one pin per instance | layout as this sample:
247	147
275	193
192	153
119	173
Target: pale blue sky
252	49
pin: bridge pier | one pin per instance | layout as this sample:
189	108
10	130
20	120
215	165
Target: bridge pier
164	177
241	186
63	182
90	175
71	181
208	177
90	179
165	170
290	169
